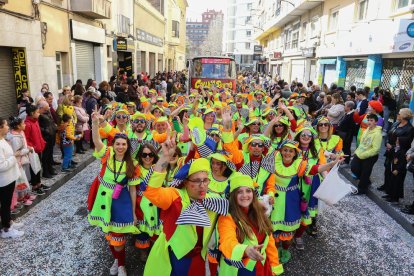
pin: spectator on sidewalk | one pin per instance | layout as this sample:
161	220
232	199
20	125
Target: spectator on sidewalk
82	125
366	155
337	110
17	141
48	129
36	141
67	138
346	129
9	172
362	103
23	100
409	209
389	105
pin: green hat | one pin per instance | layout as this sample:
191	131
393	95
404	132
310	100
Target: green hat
311	129
223	158
291	144
240	180
260	137
208	110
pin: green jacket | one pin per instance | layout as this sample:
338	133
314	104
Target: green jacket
370	144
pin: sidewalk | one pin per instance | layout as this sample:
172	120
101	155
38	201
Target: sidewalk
61	178
392	209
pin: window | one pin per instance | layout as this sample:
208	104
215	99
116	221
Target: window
362	8
123	24
248	19
175	29
278	7
304	30
247	45
59	70
333	20
288	36
403	3
295	35
248	33
249	6
314	27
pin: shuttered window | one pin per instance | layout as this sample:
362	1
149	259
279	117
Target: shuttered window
8	105
85	62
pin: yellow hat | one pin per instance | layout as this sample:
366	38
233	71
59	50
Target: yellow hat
131	104
161	119
193	166
121	110
240	180
138	115
268	110
291	144
208	110
260	137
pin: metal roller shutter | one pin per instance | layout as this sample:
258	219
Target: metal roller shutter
7	91
85	61
329	76
298	71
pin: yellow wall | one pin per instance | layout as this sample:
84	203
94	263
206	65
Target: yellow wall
148	22
20	6
58	33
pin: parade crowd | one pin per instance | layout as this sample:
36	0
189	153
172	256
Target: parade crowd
213	179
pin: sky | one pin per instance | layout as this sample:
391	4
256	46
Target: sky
197	7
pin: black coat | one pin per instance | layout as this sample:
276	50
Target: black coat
47	127
347	124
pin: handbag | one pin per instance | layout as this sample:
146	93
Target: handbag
35	162
333	188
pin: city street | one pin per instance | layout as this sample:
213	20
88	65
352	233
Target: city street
356	238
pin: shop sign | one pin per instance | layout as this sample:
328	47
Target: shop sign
20	69
410	30
149	38
197	82
404	40
277	55
121	44
308	52
258	48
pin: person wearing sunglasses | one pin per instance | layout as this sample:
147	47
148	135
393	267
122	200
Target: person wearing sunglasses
157	112
188	212
287	217
329	142
310	183
120	125
246	239
112	196
140	134
251	127
147	214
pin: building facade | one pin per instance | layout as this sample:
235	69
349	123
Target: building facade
239	40
205	37
339	41
60	41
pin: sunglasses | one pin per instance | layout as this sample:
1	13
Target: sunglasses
279	125
145	155
121	135
122	116
256	124
306	135
271	113
254	144
160	101
323	124
138	121
214	135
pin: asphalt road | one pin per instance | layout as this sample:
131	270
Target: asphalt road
356	238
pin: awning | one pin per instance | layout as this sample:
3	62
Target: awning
327	61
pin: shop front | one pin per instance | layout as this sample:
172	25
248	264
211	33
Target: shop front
124	48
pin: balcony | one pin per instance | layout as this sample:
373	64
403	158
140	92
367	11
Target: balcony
284	14
96	9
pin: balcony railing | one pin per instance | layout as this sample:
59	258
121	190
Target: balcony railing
96	9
